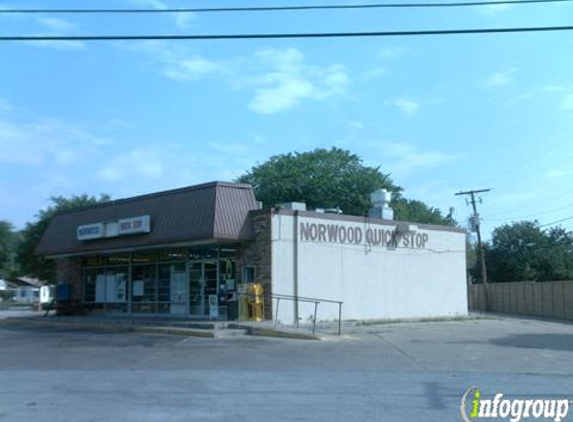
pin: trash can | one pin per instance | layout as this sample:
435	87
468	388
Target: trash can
243	290
63	292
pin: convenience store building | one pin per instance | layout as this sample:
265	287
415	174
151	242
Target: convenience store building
189	251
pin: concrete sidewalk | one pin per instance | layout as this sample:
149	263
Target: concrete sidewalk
155	325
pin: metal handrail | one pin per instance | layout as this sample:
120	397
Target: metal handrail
316	302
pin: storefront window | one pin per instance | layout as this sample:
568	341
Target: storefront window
177	281
196	254
172	288
118	260
90	277
144	288
92	261
143	258
228	252
174	255
116	288
248	275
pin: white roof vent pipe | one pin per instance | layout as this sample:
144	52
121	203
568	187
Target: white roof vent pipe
381	204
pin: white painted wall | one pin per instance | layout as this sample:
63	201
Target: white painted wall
373	281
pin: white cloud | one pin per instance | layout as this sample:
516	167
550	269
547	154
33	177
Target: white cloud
554	88
337	80
56	24
41	141
354	125
566	102
59	45
284	95
137	163
493	10
57	157
402	158
384	56
391	52
289	81
405	105
192	68
279	79
557	173
501	78
182	20
56	27
5	105
527	96
565	94
230	147
374	73
154	4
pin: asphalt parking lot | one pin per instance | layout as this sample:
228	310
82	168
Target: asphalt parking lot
390	372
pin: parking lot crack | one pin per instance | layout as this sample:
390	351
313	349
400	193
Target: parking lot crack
402	352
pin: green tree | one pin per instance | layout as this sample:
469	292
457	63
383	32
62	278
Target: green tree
8	239
417	211
472	258
321	178
41	267
555	260
522	251
331	178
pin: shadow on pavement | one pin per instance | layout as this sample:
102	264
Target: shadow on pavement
560	342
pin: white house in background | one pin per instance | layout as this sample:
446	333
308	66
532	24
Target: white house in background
26	289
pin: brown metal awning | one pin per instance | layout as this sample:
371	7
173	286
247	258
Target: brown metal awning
216	211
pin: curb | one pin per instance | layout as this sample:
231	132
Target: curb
118	328
269	332
168	330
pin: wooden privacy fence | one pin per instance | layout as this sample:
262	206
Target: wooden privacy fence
550	299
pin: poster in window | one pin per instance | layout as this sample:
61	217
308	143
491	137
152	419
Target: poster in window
138	288
100	288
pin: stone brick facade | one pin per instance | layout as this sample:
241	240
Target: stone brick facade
69	271
258	255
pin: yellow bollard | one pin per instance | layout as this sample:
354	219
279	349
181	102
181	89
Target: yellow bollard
256	301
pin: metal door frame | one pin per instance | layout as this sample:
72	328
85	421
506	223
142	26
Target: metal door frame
202	283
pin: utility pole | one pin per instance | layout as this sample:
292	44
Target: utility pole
476	224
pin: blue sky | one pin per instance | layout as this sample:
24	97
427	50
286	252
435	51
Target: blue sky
441	114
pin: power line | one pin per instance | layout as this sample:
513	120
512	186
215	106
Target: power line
533	215
517	166
529	204
519	179
285	8
556	222
283	35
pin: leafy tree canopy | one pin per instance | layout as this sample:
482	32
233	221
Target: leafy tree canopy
331	178
417	211
8	238
321	178
40	267
522	251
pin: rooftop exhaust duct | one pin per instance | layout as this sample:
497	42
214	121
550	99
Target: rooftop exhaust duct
381	205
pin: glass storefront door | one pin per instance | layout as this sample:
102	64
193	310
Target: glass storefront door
202	284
